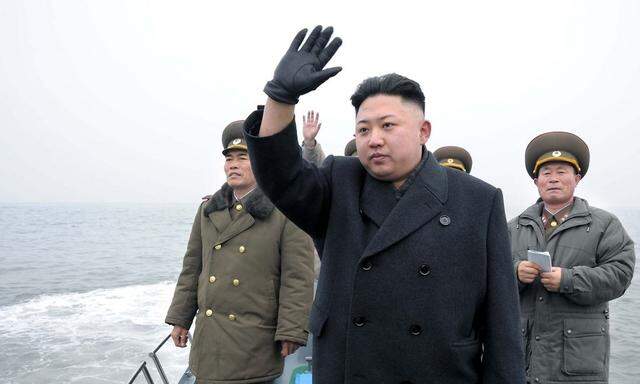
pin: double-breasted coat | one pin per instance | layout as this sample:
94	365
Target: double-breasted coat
248	280
410	291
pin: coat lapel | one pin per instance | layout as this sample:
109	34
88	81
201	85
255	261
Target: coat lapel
424	199
377	199
243	222
220	219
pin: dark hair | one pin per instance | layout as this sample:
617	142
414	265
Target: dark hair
390	84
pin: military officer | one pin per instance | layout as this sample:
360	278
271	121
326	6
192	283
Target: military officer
247	277
565	312
454	157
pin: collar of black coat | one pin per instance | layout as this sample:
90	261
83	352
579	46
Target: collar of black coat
256	203
580	208
378	198
421	203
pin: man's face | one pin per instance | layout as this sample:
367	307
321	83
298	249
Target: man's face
237	167
557	182
390	133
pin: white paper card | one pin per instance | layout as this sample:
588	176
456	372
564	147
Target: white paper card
543	259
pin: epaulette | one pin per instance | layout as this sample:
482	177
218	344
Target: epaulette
206	198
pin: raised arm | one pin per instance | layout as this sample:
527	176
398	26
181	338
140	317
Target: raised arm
301	70
301	191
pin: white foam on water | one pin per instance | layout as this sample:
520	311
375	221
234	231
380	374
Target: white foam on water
94	337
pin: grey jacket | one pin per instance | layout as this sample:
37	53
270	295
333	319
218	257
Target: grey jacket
566	333
313	155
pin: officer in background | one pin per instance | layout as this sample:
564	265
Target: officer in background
247	277
565	312
454	157
350	149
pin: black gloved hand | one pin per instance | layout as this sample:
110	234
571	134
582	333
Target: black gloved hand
300	71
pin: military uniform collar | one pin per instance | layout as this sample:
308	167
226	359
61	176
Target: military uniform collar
255	202
580	208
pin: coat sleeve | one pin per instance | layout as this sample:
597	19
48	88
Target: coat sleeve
512	228
185	297
608	280
299	189
503	360
296	284
313	155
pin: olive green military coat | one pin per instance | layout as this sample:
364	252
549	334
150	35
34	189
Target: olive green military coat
566	333
249	283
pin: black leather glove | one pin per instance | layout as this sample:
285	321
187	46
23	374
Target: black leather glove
300	69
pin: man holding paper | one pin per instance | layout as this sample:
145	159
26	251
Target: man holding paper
565	311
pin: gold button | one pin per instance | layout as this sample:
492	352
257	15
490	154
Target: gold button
242	249
209	312
553	223
236	282
218	246
239	207
212	279
232	317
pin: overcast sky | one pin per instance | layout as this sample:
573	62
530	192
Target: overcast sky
112	101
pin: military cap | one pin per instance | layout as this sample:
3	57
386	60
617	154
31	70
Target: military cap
233	137
454	157
556	146
350	149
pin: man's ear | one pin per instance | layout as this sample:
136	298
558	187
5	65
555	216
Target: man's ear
425	132
578	178
535	181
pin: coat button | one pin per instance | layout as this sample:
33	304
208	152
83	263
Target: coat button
445	220
366	265
209	312
536	380
239	207
537	338
540	298
241	249
236	282
568	331
359	321
415	329
424	270
212	279
232	317
218	246
523	330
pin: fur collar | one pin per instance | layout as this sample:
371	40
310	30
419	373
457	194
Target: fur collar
256	203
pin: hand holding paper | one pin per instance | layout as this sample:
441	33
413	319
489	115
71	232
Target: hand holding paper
542	259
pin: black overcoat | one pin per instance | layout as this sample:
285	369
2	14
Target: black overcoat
412	292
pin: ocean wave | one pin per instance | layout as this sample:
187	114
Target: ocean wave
96	336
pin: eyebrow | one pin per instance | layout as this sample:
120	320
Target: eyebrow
380	118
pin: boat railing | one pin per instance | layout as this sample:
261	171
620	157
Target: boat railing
142	368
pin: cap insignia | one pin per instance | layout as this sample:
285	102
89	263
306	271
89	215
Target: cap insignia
236	141
556	154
